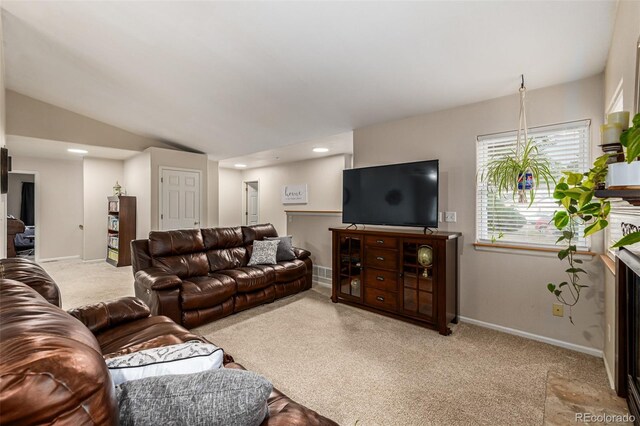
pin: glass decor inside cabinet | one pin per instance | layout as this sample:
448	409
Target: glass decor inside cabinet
417	279
350	266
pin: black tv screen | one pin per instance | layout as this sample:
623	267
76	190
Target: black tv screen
398	194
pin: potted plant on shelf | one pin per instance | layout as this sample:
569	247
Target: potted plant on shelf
626	175
575	194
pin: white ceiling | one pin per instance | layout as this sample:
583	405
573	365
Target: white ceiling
21	146
335	145
233	78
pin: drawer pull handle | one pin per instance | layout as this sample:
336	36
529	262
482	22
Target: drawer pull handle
380	298
380	241
380	258
380	278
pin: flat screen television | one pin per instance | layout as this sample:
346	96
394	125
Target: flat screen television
398	194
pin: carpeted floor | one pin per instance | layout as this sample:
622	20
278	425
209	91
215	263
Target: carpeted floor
356	366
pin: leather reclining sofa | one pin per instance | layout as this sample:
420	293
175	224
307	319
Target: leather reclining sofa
52	362
197	276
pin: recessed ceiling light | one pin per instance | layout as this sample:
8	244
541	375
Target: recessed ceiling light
320	149
78	151
240	166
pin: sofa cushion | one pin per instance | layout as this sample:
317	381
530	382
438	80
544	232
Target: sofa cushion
207	291
258	232
51	370
219	238
184	265
289	270
264	252
227	258
170	243
159	330
285	248
251	278
32	275
183	358
216	397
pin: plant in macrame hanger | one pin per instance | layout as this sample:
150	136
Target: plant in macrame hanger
521	169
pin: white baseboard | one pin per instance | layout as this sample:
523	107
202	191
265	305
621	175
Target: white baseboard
612	382
55	259
554	342
321	284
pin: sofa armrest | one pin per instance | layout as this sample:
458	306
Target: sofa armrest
301	253
157	279
104	315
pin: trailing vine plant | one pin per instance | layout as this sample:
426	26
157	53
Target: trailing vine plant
575	194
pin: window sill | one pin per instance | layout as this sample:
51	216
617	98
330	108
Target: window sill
609	263
513	248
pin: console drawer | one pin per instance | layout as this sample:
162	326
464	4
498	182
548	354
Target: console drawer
380	299
382	280
381	241
381	258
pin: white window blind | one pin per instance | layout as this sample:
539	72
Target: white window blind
504	220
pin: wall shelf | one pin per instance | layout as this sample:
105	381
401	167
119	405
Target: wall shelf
632	196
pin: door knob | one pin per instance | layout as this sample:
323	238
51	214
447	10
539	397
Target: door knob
196	223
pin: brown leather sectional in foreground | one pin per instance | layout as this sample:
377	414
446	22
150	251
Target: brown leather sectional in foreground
52	363
197	276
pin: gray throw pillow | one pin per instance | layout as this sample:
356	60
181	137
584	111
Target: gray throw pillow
285	248
214	397
264	252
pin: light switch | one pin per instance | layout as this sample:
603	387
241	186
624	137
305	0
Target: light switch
449	216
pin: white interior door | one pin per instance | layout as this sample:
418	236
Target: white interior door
251	212
180	207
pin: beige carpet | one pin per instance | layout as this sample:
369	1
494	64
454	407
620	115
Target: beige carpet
352	365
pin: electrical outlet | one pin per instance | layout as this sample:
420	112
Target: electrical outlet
558	310
449	216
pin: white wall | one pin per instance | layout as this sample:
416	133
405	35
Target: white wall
99	177
14	194
230	196
3	197
323	177
621	66
506	289
137	182
212	194
59	205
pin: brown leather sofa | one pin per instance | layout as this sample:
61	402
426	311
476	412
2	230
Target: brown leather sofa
52	367
197	276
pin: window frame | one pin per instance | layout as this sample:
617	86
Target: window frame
482	234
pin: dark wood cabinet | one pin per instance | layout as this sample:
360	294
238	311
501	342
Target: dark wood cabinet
407	275
121	229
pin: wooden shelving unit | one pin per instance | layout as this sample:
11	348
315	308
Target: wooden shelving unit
632	196
121	229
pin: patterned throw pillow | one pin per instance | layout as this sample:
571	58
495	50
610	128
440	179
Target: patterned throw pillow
190	357
218	397
264	252
285	248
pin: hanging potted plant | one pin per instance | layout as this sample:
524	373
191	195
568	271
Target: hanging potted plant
522	169
575	194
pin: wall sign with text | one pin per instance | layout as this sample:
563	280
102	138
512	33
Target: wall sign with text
294	194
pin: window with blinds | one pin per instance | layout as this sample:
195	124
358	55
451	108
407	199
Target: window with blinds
505	220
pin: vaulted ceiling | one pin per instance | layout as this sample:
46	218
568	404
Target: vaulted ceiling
231	78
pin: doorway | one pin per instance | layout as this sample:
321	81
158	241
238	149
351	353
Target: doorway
251	210
179	199
21	213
